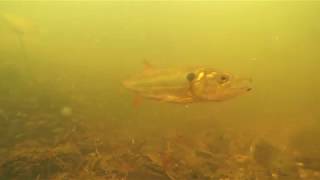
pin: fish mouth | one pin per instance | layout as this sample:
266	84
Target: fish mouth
242	84
243	89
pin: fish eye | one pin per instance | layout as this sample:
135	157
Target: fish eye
191	76
223	78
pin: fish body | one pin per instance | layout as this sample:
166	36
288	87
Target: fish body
20	26
187	85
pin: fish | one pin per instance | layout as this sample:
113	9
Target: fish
186	85
20	26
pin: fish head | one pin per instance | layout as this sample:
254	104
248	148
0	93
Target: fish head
211	85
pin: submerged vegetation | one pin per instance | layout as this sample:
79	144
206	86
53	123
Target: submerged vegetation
75	151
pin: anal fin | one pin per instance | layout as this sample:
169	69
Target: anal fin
137	101
147	66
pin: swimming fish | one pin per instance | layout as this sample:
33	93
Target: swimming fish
20	26
187	84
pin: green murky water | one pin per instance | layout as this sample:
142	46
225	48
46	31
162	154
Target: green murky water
64	113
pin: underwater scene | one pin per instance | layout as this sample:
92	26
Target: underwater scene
159	90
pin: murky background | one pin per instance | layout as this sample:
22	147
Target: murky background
64	113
